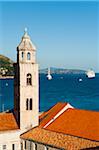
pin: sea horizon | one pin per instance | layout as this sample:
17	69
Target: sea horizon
62	88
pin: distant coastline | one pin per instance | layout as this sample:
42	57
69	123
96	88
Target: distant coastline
54	70
6	77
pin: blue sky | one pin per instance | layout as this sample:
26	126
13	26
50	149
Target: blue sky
66	33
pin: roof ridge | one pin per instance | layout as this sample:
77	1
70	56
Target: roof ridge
67	106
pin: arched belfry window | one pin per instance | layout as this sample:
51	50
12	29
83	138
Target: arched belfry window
30	103
28	56
29	79
27	104
22	54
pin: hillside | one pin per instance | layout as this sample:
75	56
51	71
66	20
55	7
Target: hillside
6	66
62	71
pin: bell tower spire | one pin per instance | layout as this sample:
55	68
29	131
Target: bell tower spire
26	49
26	84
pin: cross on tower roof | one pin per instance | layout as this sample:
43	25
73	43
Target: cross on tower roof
25	30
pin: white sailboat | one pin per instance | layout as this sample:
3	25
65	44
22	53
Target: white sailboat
90	73
49	77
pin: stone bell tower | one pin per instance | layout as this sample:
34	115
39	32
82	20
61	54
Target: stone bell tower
26	102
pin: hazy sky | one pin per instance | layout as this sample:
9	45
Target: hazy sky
66	33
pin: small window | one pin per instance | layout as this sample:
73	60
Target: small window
13	146
28	56
25	144
22	55
30	103
4	147
29	79
35	146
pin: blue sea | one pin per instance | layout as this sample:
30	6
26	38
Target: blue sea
62	88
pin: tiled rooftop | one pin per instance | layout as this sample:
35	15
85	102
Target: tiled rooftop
76	122
7	122
58	140
72	130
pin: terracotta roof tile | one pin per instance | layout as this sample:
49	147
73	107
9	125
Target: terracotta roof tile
58	140
7	122
77	122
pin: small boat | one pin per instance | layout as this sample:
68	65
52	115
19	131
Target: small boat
6	84
80	80
90	73
49	77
